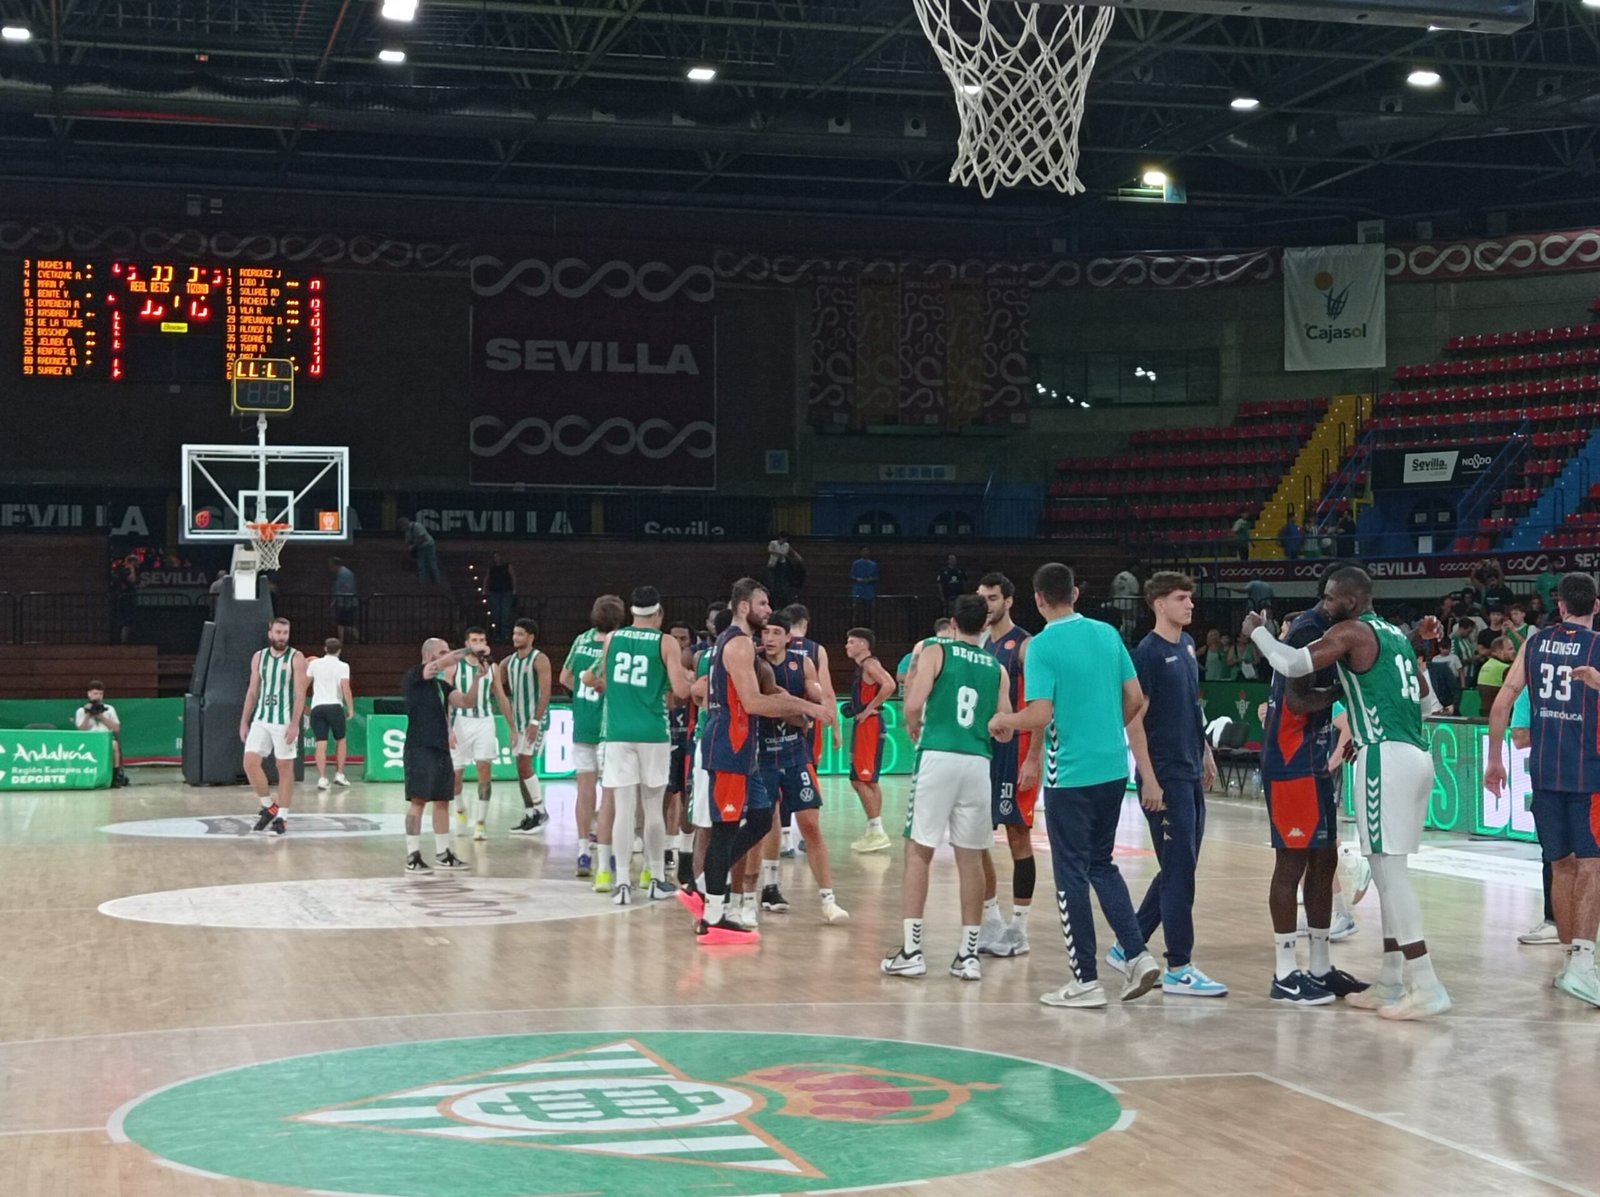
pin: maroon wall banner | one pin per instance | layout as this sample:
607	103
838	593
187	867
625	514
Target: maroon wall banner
590	370
1005	352
1502	257
1514	565
922	352
835	330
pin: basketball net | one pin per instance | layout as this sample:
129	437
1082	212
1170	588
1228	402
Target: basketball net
1020	74
268	538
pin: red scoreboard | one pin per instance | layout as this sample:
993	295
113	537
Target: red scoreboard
149	321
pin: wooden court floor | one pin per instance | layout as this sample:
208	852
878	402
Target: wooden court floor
141	959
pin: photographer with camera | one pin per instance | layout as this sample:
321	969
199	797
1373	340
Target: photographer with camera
99	715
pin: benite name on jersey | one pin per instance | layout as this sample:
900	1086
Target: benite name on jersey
594	357
972	655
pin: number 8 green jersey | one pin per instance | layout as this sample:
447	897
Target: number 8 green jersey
965	696
1385	702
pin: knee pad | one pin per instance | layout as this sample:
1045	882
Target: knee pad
1024	875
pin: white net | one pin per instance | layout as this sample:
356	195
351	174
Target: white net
267	539
1020	74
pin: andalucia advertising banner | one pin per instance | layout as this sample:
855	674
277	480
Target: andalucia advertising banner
54	760
1333	308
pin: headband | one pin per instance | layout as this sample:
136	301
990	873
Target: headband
643	611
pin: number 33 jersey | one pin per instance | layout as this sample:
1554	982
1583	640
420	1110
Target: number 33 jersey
1385	701
1564	714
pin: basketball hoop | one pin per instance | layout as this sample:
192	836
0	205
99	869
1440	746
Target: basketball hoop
268	537
1020	74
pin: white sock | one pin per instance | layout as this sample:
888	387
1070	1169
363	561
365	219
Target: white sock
1582	958
751	904
1019	917
1339	908
1422	974
769	872
413	844
826	895
969	941
1284	949
713	912
788	838
912	936
875	824
483	810
602	857
991	910
1319	951
441	842
1390	974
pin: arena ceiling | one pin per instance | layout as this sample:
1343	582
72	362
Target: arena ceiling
818	108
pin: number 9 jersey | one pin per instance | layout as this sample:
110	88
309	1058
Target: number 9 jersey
1564	715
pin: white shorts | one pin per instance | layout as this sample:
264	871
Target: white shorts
1392	784
950	792
586	758
476	740
632	764
524	744
699	793
267	739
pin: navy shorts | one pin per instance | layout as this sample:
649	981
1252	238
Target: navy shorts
795	787
1304	812
327	722
430	776
1568	824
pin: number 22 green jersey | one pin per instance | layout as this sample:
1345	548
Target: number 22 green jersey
636	687
1385	702
965	696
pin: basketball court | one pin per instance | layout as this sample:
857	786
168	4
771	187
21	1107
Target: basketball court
228	1013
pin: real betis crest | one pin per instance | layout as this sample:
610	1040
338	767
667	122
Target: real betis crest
672	1112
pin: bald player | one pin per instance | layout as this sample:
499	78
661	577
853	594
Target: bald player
429	771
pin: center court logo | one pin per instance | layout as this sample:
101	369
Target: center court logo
669	1112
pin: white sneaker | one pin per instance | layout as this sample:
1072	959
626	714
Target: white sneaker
461	822
832	912
1017	940
875	840
1376	996
481	834
622	895
1543	933
747	916
1143	975
901	965
966	968
1358	872
339	779
992	935
1116	961
1076	995
1344	926
1416	1004
322	783
1583	985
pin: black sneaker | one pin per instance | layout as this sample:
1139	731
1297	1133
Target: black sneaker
415	864
119	778
533	822
279	826
1339	983
772	899
264	819
449	860
1298	989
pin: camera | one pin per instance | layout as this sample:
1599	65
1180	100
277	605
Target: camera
95	708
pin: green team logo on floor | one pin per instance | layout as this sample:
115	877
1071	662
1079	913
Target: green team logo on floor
598	1113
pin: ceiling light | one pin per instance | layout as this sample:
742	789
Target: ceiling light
1154	178
392	57
1244	103
399	10
1424	77
1591	3
16	33
701	74
972	89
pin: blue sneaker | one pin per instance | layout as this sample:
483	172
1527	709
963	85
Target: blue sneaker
585	865
1117	959
1188	981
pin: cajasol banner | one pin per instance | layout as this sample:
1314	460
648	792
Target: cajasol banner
54	760
386	748
1334	308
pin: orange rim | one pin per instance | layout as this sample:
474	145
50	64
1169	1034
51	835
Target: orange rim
268	531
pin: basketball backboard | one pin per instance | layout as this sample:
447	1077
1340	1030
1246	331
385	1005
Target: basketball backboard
1476	16
227	487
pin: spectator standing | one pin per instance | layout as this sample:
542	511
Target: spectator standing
419	543
1215	658
346	603
99	715
1345	534
863	585
952	582
500	588
1497	596
1292	538
1126	596
1545	587
1492	674
1242	531
1444	676
332	706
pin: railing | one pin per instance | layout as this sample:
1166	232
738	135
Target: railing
8	617
70	619
1482	493
398	618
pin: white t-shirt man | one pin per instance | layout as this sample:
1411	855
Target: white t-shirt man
328	675
105	720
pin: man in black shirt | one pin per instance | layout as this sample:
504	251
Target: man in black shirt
952	582
430	775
